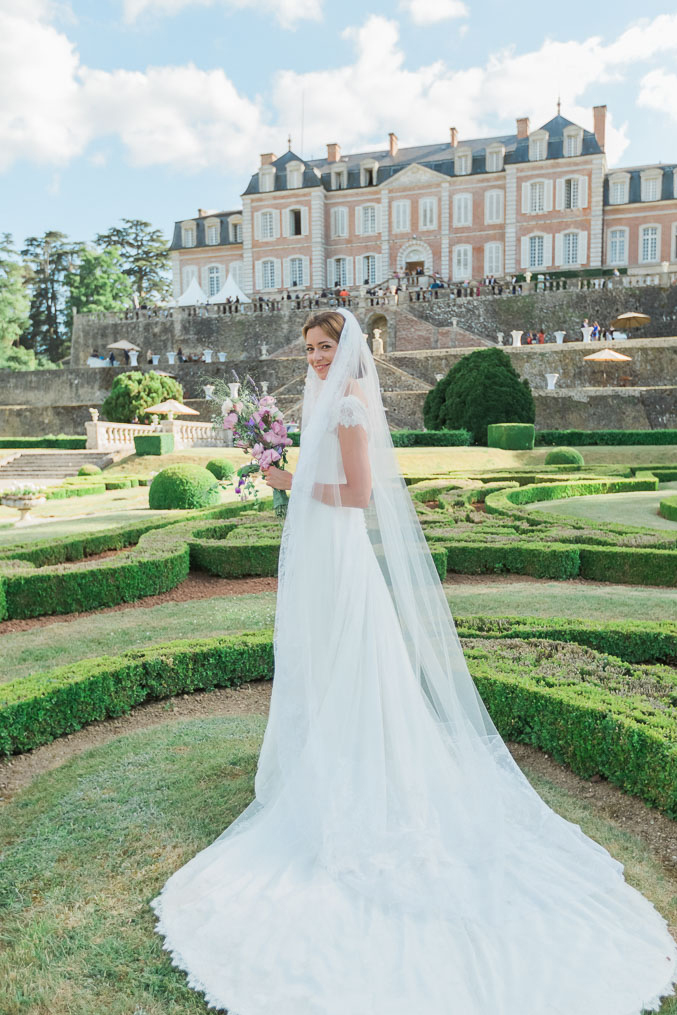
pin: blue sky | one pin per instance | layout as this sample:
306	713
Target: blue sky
153	108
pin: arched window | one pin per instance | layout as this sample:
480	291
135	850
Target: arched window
648	244
369	268
536	251
340	271
493	259
268	274
618	246
462	262
296	271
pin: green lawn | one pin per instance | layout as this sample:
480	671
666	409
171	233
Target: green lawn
623	508
63	642
88	845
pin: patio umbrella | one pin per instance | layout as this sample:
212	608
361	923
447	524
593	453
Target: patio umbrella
123	344
631	319
171	408
606	356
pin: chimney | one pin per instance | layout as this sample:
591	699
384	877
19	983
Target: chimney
201	213
392	144
267	159
453	137
599	119
333	152
522	127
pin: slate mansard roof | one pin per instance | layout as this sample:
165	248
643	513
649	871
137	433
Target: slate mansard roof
439	157
201	230
668	183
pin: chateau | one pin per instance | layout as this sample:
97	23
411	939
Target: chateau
535	200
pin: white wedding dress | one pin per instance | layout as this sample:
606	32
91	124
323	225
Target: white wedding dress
395	860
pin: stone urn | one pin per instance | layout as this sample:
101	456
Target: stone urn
171	358
207	353
551	380
516	337
222	357
156	360
264	351
94	413
264	387
133	357
587	333
233	388
499	336
24	504
559	336
209	391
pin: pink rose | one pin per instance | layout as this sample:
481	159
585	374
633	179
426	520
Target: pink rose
257	450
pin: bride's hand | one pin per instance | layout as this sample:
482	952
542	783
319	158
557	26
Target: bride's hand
279	479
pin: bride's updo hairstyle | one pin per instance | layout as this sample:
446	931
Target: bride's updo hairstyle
330	321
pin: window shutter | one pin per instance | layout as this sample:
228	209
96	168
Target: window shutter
276	223
547	251
525	251
359	269
349	271
547	197
257	226
204	279
286	281
330	272
525	201
559	248
277	272
469	203
582	247
286	215
559	199
582	191
358	220
304	221
306	271
258	271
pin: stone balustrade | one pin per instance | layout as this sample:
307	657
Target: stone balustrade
102	436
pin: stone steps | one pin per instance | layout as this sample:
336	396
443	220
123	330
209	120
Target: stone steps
49	465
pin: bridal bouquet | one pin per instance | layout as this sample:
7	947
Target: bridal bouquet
258	428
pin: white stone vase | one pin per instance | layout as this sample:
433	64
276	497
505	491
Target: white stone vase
24	505
551	380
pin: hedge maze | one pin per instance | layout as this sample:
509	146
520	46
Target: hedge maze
600	697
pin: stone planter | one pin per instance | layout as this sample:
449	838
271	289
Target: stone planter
23	505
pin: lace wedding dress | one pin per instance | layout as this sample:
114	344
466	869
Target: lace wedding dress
395	860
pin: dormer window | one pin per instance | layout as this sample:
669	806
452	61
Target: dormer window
188	234
495	154
538	146
651	184
619	185
266	179
339	177
294	175
368	170
572	142
463	162
235	230
213	230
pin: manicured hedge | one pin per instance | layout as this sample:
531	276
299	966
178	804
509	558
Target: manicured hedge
564	456
668	508
62	441
89	470
431	438
154	443
541	560
183	486
221	468
511	436
509	501
605	437
627	565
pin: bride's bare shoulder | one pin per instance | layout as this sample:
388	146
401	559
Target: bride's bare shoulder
353	388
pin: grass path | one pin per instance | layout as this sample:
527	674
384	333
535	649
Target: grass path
623	508
85	848
63	641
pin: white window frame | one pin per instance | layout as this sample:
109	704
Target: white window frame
235	230
294	175
368	166
188	235
339	222
574	195
462	205
651	178
267	226
401	216
214	271
570	245
534	246
290	220
572	142
619	180
538	146
493	207
461	261
493	259
536	197
268	266
368	269
462	162
623	232
339	177
340	269
642	231
427	213
494	158
266	179
296	272
212	233
368	216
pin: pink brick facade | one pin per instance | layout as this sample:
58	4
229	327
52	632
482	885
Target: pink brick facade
539	201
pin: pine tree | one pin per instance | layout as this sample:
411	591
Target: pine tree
144	256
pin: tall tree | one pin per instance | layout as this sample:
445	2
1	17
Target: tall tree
48	259
98	283
144	256
14	298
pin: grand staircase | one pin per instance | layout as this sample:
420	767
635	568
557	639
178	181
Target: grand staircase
44	467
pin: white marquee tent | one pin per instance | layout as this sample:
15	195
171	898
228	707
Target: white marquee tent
192	296
229	289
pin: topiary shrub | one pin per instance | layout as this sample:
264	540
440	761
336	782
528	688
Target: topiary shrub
89	470
564	456
133	392
154	444
511	436
221	468
182	487
482	388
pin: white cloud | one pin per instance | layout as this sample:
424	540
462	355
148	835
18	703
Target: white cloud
658	91
287	12
427	12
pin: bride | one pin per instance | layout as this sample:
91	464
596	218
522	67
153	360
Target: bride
394	860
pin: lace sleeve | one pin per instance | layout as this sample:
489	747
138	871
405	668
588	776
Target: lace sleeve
351	412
